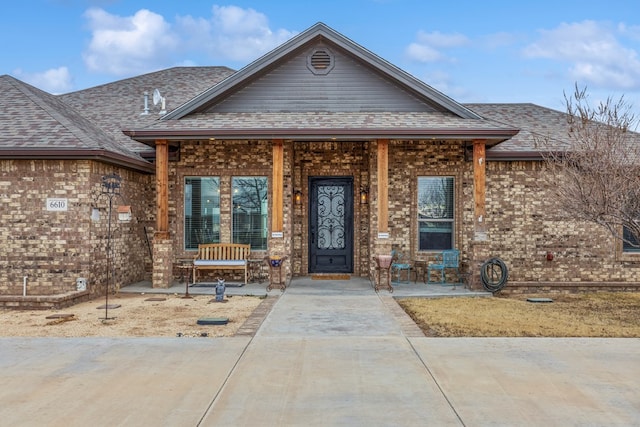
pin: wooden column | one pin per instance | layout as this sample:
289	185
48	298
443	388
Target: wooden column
278	187
479	189
383	186
162	189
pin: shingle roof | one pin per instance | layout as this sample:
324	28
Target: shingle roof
536	124
93	119
118	105
327	124
34	121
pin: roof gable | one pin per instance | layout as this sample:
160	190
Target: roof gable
349	86
358	75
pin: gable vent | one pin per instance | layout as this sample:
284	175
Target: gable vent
320	61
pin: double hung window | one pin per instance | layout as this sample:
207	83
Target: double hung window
435	213
249	216
201	211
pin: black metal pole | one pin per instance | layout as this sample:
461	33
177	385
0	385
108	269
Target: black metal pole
110	188
106	292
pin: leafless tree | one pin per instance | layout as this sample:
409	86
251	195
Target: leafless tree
596	178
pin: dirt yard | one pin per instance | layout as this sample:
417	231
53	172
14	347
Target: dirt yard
137	316
569	315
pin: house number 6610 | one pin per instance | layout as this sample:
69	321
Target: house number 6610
56	204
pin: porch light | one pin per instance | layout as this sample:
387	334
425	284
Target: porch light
297	197
364	196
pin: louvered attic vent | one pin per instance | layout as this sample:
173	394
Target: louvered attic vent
320	61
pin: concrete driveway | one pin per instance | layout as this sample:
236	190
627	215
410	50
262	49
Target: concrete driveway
328	353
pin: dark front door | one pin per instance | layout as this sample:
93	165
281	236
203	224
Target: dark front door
331	225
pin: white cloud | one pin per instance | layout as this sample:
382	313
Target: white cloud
55	80
632	32
427	47
443	82
127	45
146	41
422	53
232	33
594	52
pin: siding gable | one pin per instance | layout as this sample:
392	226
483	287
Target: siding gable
350	86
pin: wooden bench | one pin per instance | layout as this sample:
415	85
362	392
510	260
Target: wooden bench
222	256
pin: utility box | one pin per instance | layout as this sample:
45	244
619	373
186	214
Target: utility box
81	284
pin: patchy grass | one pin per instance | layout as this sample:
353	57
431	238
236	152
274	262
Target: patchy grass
569	315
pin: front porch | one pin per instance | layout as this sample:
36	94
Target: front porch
354	286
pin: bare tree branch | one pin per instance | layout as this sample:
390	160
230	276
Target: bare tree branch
596	178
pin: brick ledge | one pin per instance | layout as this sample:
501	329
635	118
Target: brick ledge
43	302
524	287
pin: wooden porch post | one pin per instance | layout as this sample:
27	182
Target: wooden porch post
383	186
278	187
479	189
162	189
162	258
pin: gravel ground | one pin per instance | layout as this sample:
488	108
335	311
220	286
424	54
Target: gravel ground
131	315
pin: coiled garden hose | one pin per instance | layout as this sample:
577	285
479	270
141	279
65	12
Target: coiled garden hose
494	274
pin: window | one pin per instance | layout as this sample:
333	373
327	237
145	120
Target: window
435	213
630	243
249	217
201	211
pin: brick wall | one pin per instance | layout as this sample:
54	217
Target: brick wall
409	160
524	225
224	159
53	248
521	224
331	159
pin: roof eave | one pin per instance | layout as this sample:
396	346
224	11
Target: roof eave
513	156
75	154
492	136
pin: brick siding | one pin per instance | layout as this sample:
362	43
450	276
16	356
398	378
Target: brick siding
53	248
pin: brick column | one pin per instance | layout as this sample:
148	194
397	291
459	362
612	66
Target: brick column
162	276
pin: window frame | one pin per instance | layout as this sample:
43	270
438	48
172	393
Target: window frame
263	214
452	209
626	247
188	230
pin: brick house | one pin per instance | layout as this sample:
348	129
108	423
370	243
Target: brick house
256	156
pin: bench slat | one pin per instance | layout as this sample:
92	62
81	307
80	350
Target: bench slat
222	256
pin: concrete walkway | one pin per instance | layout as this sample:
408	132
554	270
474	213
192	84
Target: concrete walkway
328	353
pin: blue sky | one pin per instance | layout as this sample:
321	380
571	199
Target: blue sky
473	51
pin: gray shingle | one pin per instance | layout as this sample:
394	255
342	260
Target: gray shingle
118	105
34	119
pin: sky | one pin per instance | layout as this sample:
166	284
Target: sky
473	51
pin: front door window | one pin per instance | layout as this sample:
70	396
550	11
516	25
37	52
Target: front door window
331	225
331	219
